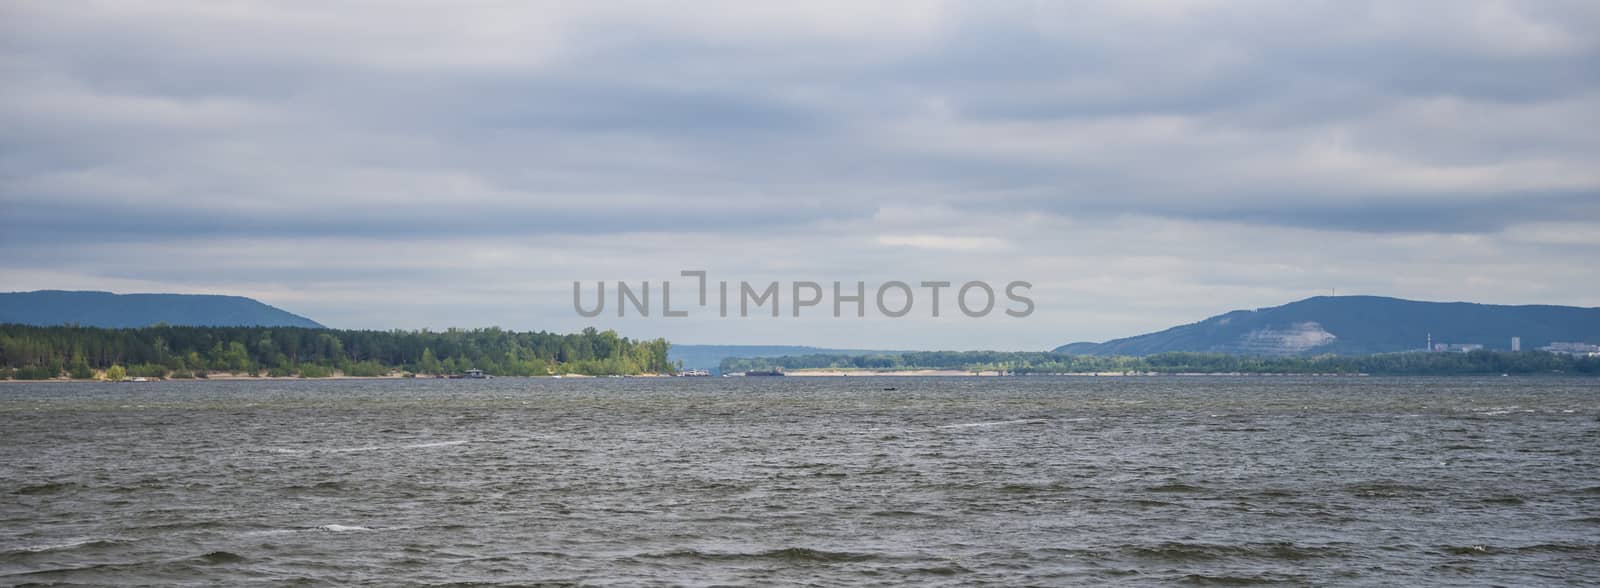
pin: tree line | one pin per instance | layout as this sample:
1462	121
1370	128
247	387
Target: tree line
33	352
1030	362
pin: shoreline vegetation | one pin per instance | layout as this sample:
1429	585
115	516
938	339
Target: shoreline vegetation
167	352
62	353
1024	363
101	376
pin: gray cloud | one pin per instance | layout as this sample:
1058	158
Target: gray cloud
775	138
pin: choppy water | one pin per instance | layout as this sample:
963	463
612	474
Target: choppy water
954	481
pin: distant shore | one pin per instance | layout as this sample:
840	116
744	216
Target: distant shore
860	372
228	377
992	373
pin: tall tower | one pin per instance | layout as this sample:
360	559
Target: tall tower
1430	343
1516	343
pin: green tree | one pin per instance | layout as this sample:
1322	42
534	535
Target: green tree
79	368
116	373
430	363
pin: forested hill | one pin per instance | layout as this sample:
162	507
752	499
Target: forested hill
114	311
30	352
1360	325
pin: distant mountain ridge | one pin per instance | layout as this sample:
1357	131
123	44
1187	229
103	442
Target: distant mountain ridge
117	311
1358	325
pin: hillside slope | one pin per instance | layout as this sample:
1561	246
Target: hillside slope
1360	324
107	310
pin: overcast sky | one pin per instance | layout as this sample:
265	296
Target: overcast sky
1143	164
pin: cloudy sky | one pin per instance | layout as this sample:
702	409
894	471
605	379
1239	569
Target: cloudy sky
1143	164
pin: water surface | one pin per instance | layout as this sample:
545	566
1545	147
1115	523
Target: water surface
836	481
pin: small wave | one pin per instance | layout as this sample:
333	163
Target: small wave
790	554
904	513
1384	489
319	487
269	532
1467	549
431	445
808	554
1511	500
46	488
1585	548
1208	580
1150	503
174	565
1026	488
1175	488
1485	550
993	424
1178	551
1501	410
222	557
60	571
330	528
68	546
944	570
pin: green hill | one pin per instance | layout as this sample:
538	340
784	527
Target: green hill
1360	324
114	311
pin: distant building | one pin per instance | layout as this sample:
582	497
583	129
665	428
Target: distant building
1456	347
1516	343
1571	348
